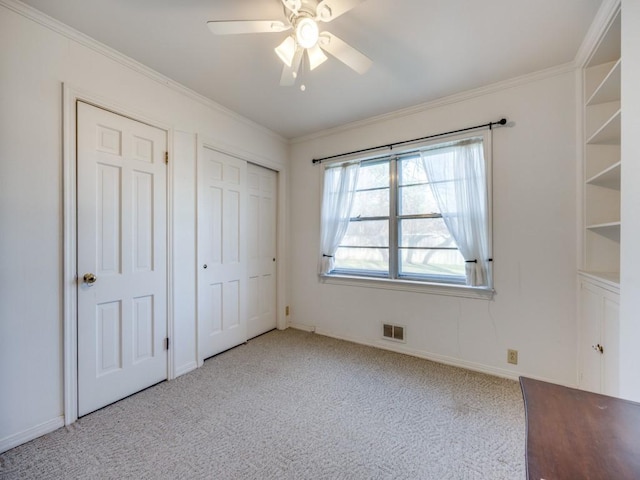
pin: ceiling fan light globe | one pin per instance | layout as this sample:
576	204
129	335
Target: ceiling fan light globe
316	57
307	33
286	50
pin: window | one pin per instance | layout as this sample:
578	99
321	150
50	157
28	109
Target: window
418	216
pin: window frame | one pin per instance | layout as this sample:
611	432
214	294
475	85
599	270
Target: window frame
393	280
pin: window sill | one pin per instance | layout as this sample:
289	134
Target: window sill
484	293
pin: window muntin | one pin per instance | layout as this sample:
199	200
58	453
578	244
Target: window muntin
394	202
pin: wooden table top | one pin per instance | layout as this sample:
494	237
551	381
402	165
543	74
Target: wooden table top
578	435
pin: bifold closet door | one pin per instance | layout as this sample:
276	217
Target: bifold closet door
222	259
262	220
121	255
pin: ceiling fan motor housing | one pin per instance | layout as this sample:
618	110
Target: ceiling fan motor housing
307	9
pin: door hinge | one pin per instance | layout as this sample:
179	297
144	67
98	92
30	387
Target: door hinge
166	157
166	343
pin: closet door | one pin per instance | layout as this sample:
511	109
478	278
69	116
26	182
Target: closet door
261	240
122	268
222	263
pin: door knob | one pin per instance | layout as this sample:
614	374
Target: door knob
89	278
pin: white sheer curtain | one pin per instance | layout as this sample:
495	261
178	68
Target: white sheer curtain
337	199
457	176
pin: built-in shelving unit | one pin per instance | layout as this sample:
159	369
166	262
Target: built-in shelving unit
602	165
599	277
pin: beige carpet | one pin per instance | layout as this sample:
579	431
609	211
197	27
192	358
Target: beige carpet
294	405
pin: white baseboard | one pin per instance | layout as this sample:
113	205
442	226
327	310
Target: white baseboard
304	328
454	362
185	369
32	433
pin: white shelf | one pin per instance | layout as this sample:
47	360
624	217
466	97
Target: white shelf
609	133
599	226
609	88
612	279
608	178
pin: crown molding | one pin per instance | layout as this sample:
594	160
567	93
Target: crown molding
605	15
45	20
449	100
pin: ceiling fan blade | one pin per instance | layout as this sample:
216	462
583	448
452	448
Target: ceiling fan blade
232	27
327	10
344	52
289	74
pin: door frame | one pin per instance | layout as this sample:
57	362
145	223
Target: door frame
205	141
70	96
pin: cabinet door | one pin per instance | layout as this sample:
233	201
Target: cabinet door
591	319
611	345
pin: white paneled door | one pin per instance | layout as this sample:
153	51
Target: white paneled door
261	283
122	268
222	262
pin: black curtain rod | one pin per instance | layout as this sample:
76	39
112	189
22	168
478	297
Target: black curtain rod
502	121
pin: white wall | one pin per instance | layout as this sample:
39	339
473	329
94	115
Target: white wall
630	234
534	238
34	62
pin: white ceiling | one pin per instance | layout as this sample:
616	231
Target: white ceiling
422	50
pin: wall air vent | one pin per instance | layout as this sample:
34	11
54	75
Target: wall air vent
393	332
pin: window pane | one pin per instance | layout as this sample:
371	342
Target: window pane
373	175
417	199
370	259
431	262
371	203
367	233
410	171
424	233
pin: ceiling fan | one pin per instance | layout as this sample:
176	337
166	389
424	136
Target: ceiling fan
303	17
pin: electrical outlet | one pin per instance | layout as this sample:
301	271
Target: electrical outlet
512	356
286	310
